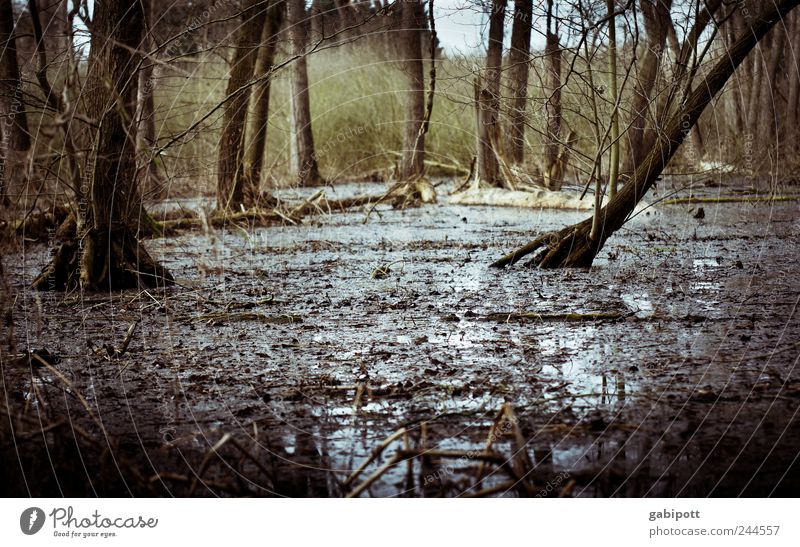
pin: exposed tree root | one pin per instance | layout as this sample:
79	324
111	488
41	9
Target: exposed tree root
105	259
570	247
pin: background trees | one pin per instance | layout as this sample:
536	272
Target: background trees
230	176
230	97
518	69
413	21
305	159
487	99
14	136
577	245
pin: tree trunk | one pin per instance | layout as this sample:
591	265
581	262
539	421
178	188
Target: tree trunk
230	168
413	161
54	19
14	131
641	135
613	161
487	99
572	246
307	168
257	147
519	65
755	97
150	181
792	127
552	170
767	128
111	258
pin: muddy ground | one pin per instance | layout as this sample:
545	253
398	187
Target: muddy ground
298	349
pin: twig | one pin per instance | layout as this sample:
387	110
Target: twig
507	317
502	487
377	451
206	460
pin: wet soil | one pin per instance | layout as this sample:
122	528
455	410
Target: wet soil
300	348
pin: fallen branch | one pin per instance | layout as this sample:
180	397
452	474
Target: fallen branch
731	199
507	317
217	317
377	451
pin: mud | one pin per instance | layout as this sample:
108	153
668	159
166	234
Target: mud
311	344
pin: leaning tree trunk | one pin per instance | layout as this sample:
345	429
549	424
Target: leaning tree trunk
307	168
111	256
573	246
15	137
487	100
257	145
230	165
518	68
552	168
641	135
413	21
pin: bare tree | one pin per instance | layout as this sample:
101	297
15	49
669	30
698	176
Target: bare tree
613	160
487	99
792	121
772	54
306	158
641	135
574	246
230	168
14	130
111	256
518	68
413	21
150	180
552	163
257	145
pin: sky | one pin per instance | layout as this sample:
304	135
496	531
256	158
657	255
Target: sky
460	26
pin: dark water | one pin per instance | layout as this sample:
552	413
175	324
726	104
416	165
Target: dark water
694	391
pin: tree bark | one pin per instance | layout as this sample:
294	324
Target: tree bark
641	132
572	246
413	21
613	161
230	168
767	129
307	167
150	181
487	99
257	147
112	257
14	130
792	127
519	66
552	170
756	82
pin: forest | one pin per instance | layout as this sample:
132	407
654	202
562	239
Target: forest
414	248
